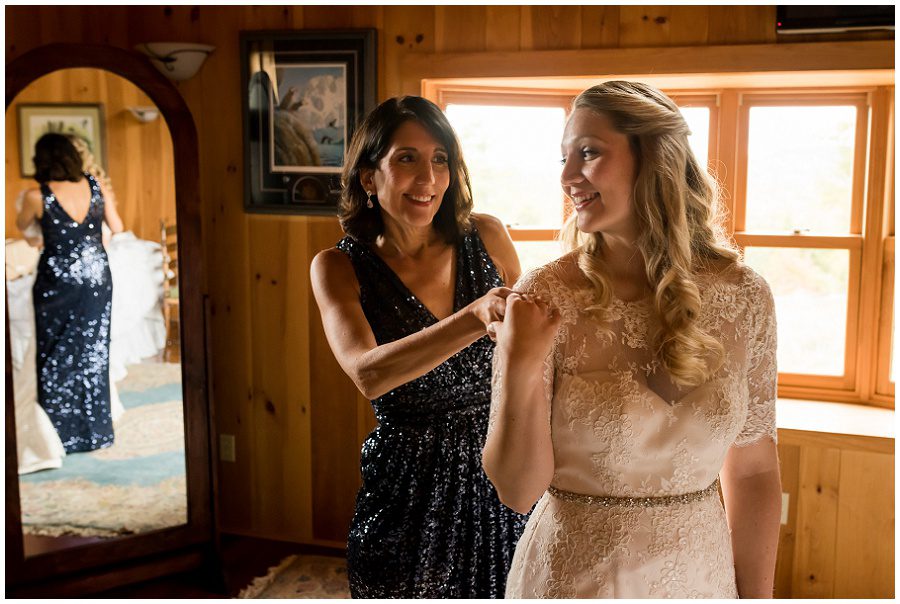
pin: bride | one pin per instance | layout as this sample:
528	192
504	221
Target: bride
635	375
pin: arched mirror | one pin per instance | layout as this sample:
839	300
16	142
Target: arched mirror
107	416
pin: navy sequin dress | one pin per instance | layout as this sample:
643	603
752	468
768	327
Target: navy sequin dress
428	522
72	304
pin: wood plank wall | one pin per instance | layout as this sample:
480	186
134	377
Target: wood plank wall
297	420
139	156
838	541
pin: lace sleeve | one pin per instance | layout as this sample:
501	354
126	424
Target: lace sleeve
527	283
762	372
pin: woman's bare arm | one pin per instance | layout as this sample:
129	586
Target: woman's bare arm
32	209
110	212
499	246
376	369
751	485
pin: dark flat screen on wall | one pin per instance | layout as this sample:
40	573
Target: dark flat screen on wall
802	19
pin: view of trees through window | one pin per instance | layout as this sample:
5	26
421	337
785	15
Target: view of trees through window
800	169
800	177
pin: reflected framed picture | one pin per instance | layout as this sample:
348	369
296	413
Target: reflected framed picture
304	93
79	119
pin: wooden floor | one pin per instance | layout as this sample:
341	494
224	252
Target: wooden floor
243	559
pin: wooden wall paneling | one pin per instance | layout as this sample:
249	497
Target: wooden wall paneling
407	29
61	24
278	440
555	27
526	30
158	23
166	187
642	26
268	17
327	17
813	575
734	24
215	96
638	26
789	460
341	17
23	30
758	58
334	403
460	28
599	26
864	560
503	24
106	25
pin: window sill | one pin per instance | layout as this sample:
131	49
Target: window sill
840	425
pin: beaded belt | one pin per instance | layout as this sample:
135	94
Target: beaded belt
634	502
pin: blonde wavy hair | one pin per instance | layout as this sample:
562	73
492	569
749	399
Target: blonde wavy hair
677	208
89	162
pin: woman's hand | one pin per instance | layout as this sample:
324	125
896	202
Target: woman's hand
528	329
491	307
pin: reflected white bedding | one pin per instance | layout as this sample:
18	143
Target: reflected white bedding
137	332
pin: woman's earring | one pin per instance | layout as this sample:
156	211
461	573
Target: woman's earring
369	203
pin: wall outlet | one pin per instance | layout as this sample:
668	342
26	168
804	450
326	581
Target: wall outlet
785	503
226	447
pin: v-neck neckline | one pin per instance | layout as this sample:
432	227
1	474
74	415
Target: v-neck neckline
399	282
78	223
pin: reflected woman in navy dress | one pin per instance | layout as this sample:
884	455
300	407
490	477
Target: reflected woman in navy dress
72	295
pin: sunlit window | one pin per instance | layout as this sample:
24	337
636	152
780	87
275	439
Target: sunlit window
810	291
800	169
697	119
513	158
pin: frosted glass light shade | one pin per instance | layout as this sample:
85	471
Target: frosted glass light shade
176	60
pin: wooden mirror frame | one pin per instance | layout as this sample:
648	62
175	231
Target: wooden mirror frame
102	565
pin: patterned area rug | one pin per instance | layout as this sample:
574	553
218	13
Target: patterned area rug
302	577
134	486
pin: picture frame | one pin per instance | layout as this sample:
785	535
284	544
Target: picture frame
86	120
303	95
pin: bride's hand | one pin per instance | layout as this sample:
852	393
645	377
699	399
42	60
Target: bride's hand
529	327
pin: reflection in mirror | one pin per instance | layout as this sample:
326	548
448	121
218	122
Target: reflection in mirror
92	285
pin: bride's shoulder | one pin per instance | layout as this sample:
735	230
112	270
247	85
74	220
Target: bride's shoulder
735	275
555	276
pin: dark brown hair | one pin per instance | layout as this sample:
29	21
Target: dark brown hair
56	158
371	142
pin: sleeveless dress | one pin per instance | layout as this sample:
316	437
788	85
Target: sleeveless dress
633	509
428	522
72	304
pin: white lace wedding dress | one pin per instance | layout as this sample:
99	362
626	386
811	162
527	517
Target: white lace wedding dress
621	429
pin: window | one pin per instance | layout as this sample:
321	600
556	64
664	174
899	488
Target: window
808	183
511	147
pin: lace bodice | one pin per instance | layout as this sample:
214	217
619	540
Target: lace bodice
619	424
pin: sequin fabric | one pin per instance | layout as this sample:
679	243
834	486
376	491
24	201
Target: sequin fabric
72	306
428	522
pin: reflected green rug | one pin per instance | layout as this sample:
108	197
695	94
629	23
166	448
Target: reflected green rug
134	486
302	577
